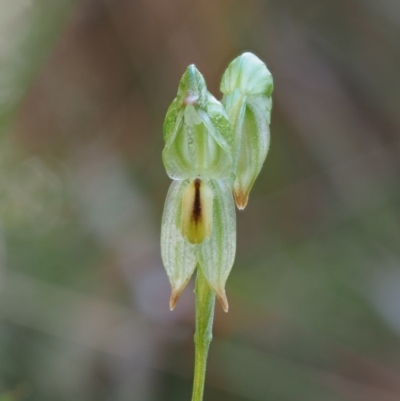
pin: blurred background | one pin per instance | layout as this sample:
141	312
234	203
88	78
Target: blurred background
314	292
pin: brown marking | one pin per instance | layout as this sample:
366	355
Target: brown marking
196	212
241	198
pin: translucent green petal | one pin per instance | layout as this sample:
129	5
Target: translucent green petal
197	148
254	145
248	74
176	155
235	104
192	91
192	88
172	122
219	119
197	132
177	253
216	255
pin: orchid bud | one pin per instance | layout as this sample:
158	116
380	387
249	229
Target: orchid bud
197	132
247	87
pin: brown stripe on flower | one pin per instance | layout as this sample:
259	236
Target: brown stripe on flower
197	200
196	212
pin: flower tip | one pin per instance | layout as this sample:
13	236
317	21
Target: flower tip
223	300
175	295
241	198
192	89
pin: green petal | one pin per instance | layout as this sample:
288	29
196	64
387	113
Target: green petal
216	255
176	155
254	145
248	74
235	104
222	130
197	132
192	88
172	122
196	148
178	255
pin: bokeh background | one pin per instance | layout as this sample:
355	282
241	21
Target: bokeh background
315	289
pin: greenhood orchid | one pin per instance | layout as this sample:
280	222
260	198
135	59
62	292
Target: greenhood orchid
213	153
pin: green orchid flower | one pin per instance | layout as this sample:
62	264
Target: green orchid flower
199	223
213	156
247	86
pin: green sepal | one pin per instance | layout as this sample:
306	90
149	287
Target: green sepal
192	88
254	146
248	74
222	132
178	255
217	254
198	137
172	120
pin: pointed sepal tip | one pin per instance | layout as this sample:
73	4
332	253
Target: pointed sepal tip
223	300
175	295
241	198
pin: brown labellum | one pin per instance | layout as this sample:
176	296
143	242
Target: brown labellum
197	201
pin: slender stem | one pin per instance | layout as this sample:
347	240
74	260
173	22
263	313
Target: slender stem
205	301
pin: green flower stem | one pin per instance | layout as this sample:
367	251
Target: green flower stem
205	301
